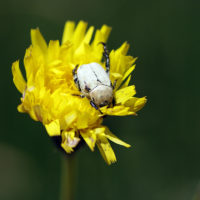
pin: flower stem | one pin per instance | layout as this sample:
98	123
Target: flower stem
68	182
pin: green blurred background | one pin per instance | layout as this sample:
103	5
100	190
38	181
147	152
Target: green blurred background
164	161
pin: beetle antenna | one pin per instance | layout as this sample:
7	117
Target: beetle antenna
106	56
74	72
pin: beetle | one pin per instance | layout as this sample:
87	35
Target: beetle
94	82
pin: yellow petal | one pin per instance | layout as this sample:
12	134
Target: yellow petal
68	31
53	128
128	72
90	138
135	103
72	140
106	150
32	114
120	63
140	103
101	36
53	51
88	35
105	30
67	148
38	40
126	83
69	141
118	84
124	48
99	130
70	118
38	112
117	111
82	121
115	139
20	108
122	95
115	76
18	78
29	65
79	33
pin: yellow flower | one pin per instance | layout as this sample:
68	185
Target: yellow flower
49	94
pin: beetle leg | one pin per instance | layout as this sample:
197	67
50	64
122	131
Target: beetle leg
95	106
78	95
74	72
114	84
113	102
82	96
87	88
106	56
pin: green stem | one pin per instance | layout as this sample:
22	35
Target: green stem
68	169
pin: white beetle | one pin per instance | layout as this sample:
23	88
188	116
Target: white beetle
94	82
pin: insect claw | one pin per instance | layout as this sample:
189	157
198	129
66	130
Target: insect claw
95	106
114	84
78	95
75	69
104	44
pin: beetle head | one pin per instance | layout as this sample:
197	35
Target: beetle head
102	95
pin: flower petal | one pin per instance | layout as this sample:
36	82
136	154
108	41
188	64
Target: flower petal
115	139
70	118
66	147
128	72
105	30
38	112
28	63
88	35
121	64
117	111
122	95
90	138
53	128
123	49
101	36
118	84
135	103
126	82
38	40
69	141
106	150
79	33
53	51
68	31
20	108
18	78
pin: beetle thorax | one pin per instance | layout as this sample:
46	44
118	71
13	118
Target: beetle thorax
102	95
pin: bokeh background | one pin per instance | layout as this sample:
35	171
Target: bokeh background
164	161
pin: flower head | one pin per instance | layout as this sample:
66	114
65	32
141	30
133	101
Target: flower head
49	94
